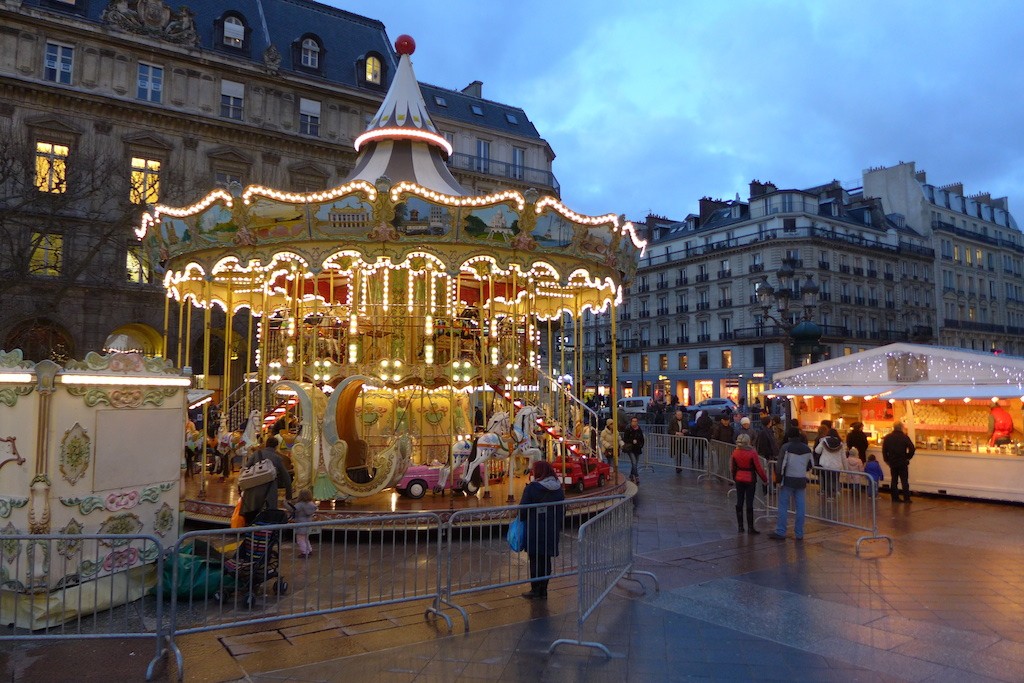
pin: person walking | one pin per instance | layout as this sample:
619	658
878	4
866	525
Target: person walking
745	466
633	444
677	428
897	450
856	438
304	509
265	497
543	525
796	463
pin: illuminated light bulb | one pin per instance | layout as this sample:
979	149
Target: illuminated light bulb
845	398
917	400
396	377
384	376
398	363
383	363
942	400
967	399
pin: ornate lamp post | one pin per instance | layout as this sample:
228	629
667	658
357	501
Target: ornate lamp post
802	337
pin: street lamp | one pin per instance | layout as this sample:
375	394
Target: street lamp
803	337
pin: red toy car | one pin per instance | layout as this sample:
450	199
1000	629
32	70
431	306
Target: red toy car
581	473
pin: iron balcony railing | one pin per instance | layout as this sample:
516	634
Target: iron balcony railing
503	169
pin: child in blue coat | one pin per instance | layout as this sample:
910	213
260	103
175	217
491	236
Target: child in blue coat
875	470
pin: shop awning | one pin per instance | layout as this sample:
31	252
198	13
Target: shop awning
835	390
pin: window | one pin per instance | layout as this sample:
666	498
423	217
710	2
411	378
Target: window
309	117
145	181
518	162
476	109
47	250
758	356
511	118
726	359
225	178
684	362
483	156
310	54
234	32
703	360
150	83
663	362
59	60
137	268
372	70
625	363
51	167
232	98
440	101
645	363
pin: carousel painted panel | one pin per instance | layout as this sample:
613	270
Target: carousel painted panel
349	216
493	225
417	217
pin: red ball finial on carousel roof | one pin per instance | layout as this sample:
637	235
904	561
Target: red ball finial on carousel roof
405	45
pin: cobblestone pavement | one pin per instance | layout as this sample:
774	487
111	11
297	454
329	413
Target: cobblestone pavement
947	605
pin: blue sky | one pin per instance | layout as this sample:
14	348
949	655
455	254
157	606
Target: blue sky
651	105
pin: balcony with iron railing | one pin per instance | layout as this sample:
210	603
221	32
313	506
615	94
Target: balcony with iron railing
756	268
724	273
844	269
703	277
644	314
824	265
502	169
662	284
725	336
859	272
702	338
844	298
973	326
682	340
683	308
682	280
662	341
703	305
662	311
725	303
643	288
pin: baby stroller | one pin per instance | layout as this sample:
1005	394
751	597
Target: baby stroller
257	560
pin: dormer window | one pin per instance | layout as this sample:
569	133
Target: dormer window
476	109
234	32
440	101
310	54
373	70
511	118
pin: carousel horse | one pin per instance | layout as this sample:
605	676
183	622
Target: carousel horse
471	453
239	442
524	432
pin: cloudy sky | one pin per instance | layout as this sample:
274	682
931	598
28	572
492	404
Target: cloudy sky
651	105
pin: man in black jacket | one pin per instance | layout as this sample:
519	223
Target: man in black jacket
897	450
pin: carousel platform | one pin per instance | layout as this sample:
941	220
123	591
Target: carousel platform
215	505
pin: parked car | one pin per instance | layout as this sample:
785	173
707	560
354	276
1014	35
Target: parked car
580	474
714	407
634	406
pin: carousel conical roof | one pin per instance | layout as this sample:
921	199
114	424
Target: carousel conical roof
401	142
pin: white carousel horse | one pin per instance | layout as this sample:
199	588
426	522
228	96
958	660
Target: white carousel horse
473	452
240	441
523	431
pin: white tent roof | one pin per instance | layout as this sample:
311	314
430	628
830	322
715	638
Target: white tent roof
907	371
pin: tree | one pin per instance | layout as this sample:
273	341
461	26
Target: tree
66	231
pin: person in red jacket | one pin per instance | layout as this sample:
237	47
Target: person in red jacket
1001	425
746	468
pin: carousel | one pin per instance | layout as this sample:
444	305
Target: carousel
390	316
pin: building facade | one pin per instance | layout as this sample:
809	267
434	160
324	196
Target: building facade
106	108
896	260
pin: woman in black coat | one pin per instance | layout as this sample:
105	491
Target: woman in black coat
858	439
543	525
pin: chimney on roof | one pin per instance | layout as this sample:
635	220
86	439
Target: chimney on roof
708	206
474	89
920	177
758	189
982	197
1001	203
954	188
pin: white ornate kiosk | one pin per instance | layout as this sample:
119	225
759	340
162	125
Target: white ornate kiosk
943	397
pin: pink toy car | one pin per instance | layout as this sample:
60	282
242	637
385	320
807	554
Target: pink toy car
419	479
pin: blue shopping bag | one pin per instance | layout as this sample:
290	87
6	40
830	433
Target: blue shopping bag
516	535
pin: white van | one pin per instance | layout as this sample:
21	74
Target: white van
634	406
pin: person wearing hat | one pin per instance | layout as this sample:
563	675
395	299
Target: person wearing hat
723	430
608	440
744	428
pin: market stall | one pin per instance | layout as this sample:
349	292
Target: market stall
963	410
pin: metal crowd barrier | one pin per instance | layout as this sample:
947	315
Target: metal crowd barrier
840	497
246	576
479	558
92	585
719	457
668	450
83	586
605	545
